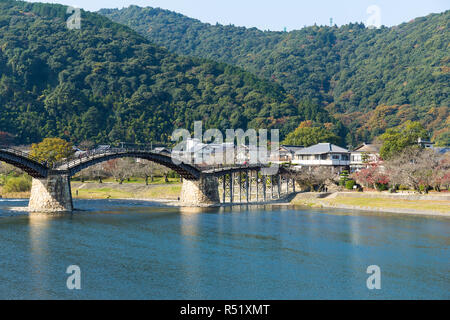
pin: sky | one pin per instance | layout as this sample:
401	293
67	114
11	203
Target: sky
276	15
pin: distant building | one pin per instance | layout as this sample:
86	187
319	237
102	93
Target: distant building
425	143
247	154
196	152
322	154
286	153
363	156
163	150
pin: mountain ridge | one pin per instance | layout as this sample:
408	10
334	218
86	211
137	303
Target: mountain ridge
107	83
350	71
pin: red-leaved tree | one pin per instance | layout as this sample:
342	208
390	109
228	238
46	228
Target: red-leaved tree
6	138
371	176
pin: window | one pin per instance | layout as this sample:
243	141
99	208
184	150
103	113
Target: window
335	157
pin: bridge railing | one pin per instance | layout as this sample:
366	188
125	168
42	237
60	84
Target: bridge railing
22	154
95	153
99	152
84	156
226	166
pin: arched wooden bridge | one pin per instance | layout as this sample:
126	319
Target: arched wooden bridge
23	161
70	167
203	185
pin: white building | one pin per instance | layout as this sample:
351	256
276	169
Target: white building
322	154
363	156
247	154
196	152
286	153
425	143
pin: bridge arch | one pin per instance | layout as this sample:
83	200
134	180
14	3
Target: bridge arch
186	171
22	161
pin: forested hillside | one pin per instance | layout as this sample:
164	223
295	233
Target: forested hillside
107	83
353	72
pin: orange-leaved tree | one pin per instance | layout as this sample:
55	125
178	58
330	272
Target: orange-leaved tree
51	150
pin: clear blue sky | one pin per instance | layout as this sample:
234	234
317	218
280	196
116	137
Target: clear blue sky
278	14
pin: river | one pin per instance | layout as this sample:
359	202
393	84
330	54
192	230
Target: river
140	250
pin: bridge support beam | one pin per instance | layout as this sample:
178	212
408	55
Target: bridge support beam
51	195
203	192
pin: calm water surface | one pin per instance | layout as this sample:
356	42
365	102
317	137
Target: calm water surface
134	250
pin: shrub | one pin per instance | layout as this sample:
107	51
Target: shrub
20	184
349	184
343	176
173	174
382	186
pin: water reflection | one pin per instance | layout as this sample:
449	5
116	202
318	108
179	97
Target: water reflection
39	228
190	251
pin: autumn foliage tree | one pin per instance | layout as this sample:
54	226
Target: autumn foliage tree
441	174
6	138
120	169
372	176
419	169
314	178
51	150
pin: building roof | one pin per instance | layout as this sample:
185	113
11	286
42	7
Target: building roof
195	146
372	148
291	149
322	148
162	149
442	150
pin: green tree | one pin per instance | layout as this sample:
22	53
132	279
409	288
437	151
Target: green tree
308	136
397	139
51	150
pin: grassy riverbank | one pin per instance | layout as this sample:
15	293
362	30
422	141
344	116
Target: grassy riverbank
379	202
125	191
14	195
110	190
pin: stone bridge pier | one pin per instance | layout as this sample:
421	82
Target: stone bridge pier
51	194
202	192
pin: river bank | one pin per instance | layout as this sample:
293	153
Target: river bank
407	203
437	204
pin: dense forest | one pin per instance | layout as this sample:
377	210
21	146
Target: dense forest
106	83
369	79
